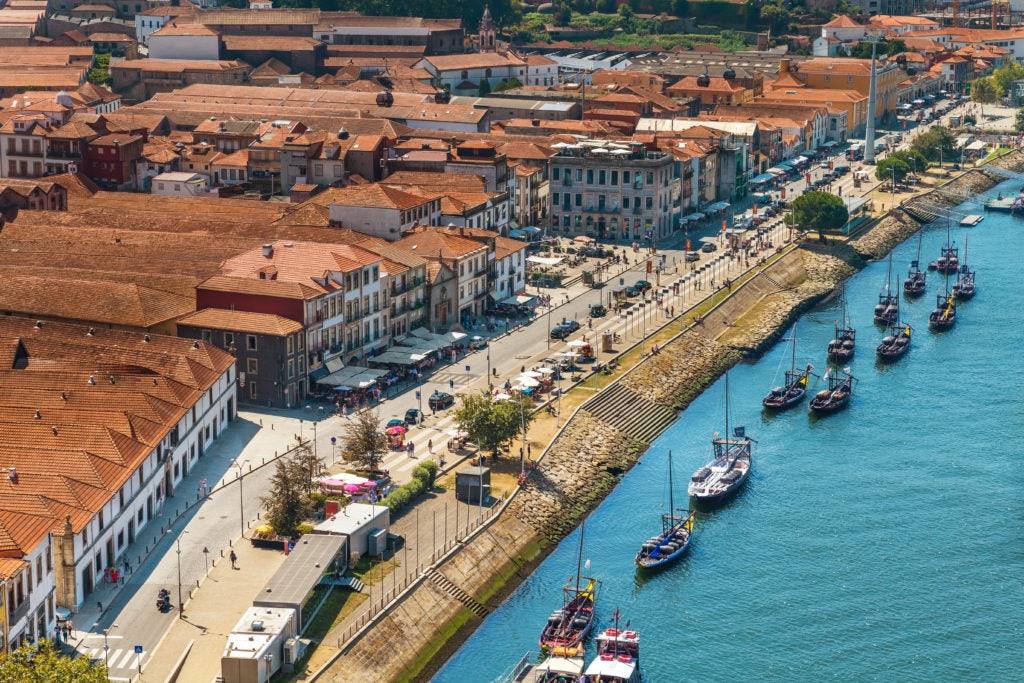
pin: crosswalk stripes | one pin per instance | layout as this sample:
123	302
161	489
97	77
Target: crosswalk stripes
119	658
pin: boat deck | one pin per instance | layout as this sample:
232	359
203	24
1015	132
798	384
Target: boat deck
971	219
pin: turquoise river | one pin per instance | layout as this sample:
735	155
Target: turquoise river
884	543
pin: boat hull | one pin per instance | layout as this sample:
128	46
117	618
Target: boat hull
841	356
663	561
784	402
964	294
888	353
717	500
914	288
940	325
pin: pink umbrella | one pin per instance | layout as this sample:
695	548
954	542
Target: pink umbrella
352	488
397	429
369	484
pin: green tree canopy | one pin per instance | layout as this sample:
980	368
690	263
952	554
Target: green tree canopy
365	441
1004	76
819	211
936	143
985	90
914	158
891	167
44	664
284	502
490	423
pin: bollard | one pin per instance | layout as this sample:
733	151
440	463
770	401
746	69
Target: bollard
222	550
229	545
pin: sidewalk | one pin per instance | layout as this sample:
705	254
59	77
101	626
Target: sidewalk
211	614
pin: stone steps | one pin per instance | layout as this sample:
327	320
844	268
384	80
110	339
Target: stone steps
445	584
630	413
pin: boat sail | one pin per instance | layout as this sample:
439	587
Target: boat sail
722	478
843	344
795	388
567	627
674	539
887	309
916	282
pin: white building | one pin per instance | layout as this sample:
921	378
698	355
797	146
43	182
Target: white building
463	74
181	184
381	210
356	521
541	71
256	647
149	20
184	41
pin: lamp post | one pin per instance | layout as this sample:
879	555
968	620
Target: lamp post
241	499
106	645
181	604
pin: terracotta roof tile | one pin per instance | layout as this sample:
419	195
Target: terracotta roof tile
242	321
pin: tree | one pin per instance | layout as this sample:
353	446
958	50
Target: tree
562	14
892	167
365	441
304	468
937	143
1004	76
985	91
284	502
491	423
914	158
751	14
485	88
819	211
44	662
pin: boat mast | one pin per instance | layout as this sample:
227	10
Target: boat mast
792	363
579	557
888	277
671	500
727	412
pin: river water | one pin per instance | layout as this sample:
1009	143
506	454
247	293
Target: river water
882	543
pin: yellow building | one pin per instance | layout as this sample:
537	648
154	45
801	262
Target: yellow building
843	73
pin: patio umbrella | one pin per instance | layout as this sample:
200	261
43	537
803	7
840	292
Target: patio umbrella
545	371
532	373
527	381
501	397
397	429
352	488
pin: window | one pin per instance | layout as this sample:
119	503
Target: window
625	202
376	273
601	177
252	390
206	336
556	173
291	368
650	177
578	200
229	339
252	366
625	177
650	202
250	342
590	176
290	345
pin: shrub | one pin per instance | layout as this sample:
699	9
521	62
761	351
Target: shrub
423	478
426	471
304	528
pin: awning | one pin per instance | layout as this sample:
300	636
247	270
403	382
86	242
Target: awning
396	356
786	165
583	239
976	146
544	260
717	206
777	170
802	160
829	144
518	300
353	375
762	178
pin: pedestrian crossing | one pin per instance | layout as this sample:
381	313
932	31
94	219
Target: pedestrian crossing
117	657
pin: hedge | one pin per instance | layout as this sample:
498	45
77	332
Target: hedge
423	478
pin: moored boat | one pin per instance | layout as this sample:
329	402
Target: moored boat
844	343
554	669
836	396
948	261
618	656
795	388
719	480
964	287
674	540
917	280
567	627
886	310
895	344
944	315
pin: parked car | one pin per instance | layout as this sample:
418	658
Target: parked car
642	285
439	400
693	256
477	343
413	416
394	422
598	311
564	329
708	247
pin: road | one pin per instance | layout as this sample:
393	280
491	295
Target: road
129	613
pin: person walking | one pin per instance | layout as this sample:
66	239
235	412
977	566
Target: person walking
234	559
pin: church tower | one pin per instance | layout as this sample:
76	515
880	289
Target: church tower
487	35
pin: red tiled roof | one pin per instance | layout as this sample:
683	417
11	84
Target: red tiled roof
242	321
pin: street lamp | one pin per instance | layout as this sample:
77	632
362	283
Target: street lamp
241	499
314	435
106	645
181	604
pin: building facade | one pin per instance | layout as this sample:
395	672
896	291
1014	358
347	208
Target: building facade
611	190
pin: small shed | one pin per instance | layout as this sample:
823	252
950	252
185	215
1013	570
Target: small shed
473	485
355	522
256	648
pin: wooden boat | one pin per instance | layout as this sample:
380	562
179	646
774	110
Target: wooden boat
844	342
554	669
917	280
964	287
674	540
944	315
895	344
795	388
618	656
567	627
718	481
886	310
837	396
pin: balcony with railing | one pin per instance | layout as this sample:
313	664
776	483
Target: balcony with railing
20	612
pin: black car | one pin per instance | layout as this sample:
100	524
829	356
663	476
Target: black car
413	416
477	343
564	329
708	247
642	286
598	311
439	400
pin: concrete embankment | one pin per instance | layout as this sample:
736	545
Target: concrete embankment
603	439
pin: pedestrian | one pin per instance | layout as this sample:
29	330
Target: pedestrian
234	559
430	446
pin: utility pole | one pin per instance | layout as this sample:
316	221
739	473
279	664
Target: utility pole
869	133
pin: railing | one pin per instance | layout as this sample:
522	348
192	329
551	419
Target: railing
20	613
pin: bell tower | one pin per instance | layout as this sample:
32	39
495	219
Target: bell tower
487	35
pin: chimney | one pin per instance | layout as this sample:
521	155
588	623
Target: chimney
268	250
783	66
12	475
535	122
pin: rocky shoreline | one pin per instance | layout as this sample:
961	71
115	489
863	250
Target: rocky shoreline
584	462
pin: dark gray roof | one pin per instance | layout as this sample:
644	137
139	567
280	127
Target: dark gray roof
292	583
